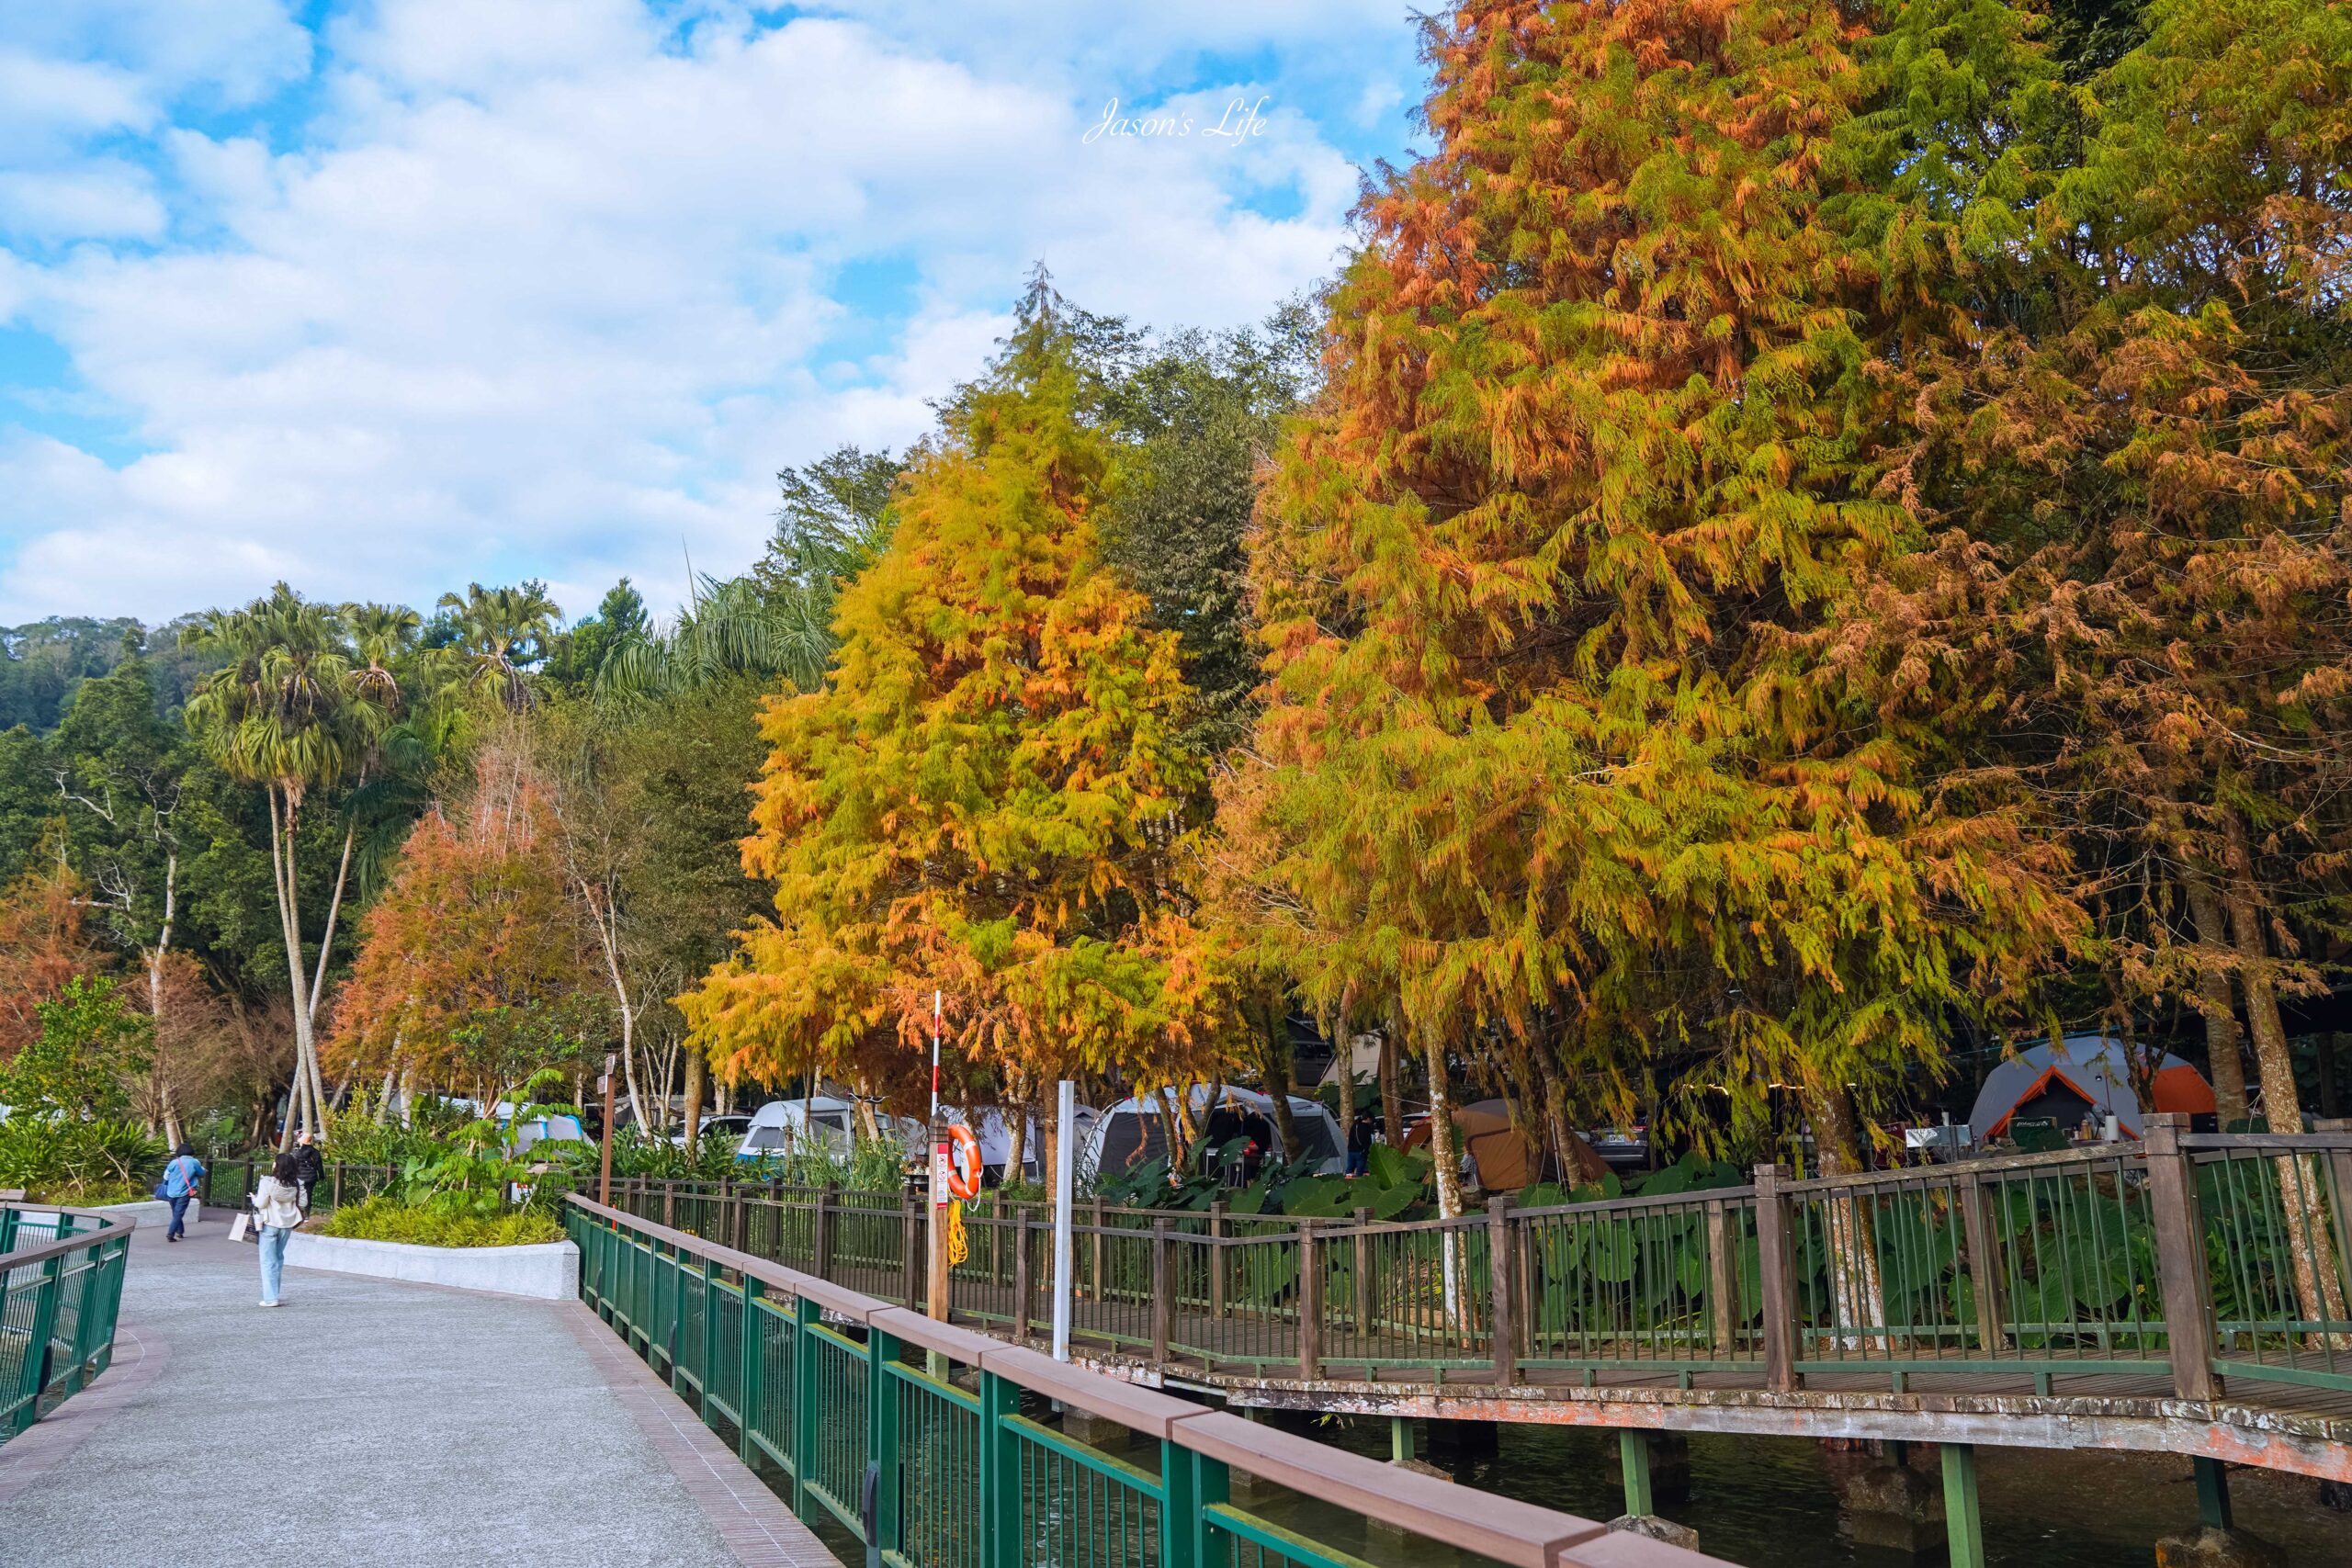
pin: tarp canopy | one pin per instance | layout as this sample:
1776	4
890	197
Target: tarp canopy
2083	1076
1506	1157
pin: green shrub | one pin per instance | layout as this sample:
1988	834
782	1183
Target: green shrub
80	1163
438	1224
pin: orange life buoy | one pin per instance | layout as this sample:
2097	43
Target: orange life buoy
963	1162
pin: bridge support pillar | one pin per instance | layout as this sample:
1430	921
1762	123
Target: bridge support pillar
1466	1439
1963	1519
2216	1543
1887	1505
1636	1454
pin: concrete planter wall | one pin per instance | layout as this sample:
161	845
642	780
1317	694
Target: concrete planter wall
146	1210
548	1270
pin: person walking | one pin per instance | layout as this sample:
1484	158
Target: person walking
277	1208
309	1169
180	1178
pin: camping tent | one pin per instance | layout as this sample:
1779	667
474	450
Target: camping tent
1506	1157
2082	1077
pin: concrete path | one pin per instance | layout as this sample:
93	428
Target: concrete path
373	1425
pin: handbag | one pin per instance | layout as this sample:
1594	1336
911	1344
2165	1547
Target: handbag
241	1228
162	1182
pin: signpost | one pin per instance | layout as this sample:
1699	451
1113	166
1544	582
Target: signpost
936	1298
1065	1178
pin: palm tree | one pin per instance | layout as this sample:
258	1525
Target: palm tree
294	709
382	634
502	633
778	618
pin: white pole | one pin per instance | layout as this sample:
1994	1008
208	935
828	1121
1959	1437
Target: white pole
1065	1175
934	1060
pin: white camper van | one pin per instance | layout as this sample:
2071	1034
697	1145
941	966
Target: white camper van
1136	1131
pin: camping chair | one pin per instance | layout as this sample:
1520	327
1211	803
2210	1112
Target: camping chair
2039	1138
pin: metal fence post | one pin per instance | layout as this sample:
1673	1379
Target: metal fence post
35	1374
2338	1165
1310	1306
1001	1541
1776	1273
1206	1482
750	1385
804	1405
882	1437
1503	1332
706	1373
2180	1257
1363	1271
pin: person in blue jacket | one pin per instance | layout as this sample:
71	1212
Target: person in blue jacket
182	1178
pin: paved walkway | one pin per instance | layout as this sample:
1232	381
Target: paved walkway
373	1425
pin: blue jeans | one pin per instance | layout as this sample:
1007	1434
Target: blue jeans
179	1213
273	1258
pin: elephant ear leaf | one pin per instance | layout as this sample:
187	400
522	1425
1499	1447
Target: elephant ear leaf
1394	1201
1389	1168
1250	1200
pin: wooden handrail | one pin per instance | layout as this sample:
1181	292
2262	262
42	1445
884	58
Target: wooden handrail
1501	1528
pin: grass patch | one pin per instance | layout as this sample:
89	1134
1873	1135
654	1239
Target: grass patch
425	1225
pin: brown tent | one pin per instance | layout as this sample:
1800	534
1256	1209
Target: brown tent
1506	1158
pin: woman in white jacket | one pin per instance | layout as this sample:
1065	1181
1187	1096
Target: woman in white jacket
277	1208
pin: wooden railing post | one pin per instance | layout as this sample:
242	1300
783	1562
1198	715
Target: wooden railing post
910	1252
1502	1331
2180	1257
1776	1273
1722	1281
1216	1259
821	1244
1363	1274
1023	1277
1983	1261
1310	1306
1160	1304
2338	1166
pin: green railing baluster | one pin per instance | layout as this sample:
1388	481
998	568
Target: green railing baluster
882	1436
37	1341
805	1426
999	1474
752	1386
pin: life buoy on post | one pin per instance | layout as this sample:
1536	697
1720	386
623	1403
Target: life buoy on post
963	1162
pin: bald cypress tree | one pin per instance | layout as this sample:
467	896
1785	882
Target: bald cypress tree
1559	741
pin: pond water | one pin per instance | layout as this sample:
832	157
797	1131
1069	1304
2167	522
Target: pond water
1770	1502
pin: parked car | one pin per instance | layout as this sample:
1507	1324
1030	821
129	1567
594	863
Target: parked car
729	1125
822	1123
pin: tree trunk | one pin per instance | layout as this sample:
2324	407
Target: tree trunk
694	1074
1392	1094
1445	1161
281	848
2319	1294
1274	1064
2224	1048
1857	1294
1016	1135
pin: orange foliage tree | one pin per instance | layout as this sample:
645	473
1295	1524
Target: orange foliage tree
473	970
987	796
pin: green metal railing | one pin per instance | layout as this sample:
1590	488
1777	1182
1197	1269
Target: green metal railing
2213	1258
61	1291
935	1445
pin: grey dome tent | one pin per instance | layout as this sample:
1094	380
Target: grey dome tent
2082	1077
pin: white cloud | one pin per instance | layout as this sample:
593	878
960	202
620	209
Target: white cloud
557	291
103	198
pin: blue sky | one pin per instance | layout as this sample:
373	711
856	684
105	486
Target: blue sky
382	296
